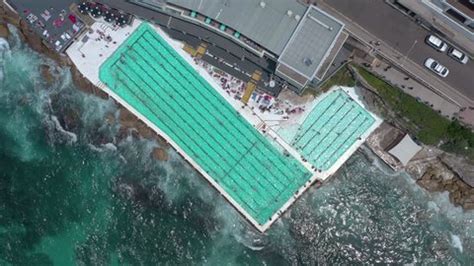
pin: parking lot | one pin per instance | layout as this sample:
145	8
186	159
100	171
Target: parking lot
404	35
52	20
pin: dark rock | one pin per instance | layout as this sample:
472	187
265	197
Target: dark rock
160	154
70	120
427	176
68	115
135	134
126	118
430	185
85	85
468	206
451	187
457	195
461	166
469	198
448	181
110	119
129	121
462	185
122	134
99	137
45	71
139	193
4	32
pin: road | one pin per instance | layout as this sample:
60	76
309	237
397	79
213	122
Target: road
405	36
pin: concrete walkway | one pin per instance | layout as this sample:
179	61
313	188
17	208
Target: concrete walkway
414	88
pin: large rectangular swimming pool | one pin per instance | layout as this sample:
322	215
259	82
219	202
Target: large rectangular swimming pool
156	81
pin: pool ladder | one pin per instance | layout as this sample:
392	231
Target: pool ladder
100	85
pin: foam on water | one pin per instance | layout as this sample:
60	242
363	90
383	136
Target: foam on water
116	204
72	138
456	242
4	49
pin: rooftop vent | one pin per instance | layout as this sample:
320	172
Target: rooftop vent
308	62
297	17
263	4
289	13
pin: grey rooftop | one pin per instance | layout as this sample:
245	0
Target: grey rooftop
311	43
269	23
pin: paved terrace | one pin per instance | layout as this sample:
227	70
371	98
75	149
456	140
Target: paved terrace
93	47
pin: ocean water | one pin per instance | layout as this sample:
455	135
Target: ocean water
75	190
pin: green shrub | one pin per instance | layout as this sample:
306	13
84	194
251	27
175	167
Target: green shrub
428	125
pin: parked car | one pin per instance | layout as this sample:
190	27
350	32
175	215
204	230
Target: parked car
436	67
436	43
458	55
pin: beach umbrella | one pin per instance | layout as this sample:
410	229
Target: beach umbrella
114	13
98	11
109	17
95	12
83	8
125	19
120	20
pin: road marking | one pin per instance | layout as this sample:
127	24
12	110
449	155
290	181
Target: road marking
433	88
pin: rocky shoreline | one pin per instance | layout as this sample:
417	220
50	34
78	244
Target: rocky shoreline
129	123
432	168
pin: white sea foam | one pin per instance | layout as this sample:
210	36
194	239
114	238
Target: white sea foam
94	148
110	146
4	45
456	242
72	136
15	38
4	48
252	242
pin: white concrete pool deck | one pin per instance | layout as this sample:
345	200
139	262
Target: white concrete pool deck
90	51
88	56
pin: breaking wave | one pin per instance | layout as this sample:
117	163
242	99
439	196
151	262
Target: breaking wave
93	194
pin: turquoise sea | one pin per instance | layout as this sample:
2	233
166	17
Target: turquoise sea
74	190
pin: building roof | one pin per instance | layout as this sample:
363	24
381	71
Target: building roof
466	7
269	23
310	44
405	150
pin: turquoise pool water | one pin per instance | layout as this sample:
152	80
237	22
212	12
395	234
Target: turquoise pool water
331	128
153	78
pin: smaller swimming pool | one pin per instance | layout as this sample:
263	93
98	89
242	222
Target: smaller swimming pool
331	128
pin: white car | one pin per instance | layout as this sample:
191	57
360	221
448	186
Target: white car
458	55
436	67
436	43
